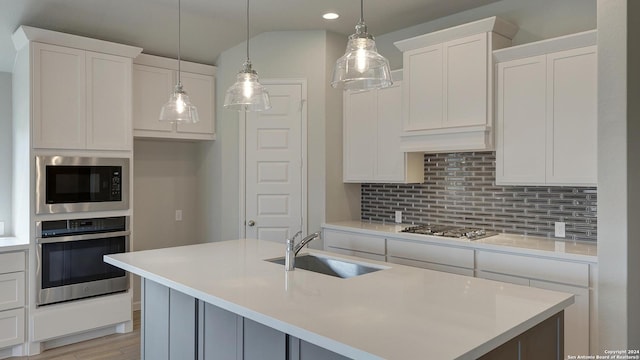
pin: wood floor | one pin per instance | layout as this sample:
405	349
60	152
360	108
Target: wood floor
112	347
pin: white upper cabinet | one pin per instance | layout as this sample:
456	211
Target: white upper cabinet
59	105
153	81
81	99
372	126
108	94
547	112
448	87
80	90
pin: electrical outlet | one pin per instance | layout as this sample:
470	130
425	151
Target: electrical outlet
398	217
559	225
178	215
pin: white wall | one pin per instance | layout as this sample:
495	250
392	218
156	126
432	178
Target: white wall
165	179
284	54
6	152
618	174
537	20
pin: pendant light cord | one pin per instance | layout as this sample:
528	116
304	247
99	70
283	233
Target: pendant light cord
247	30
179	28
361	11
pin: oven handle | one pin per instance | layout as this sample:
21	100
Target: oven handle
103	235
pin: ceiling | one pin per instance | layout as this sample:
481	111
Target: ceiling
208	26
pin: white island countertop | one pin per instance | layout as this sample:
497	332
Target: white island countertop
400	312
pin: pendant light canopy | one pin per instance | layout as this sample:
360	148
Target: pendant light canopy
361	67
179	108
247	94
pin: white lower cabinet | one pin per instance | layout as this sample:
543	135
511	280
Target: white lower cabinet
354	244
550	274
431	256
12	299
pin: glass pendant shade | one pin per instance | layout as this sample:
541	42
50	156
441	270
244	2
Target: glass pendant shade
247	94
361	67
179	108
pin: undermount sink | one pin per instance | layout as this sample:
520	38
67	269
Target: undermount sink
329	266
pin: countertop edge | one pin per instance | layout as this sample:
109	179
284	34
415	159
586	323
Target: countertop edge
274	323
479	245
10	244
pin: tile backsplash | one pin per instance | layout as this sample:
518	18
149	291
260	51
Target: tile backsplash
460	189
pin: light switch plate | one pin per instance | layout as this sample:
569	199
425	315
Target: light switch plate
559	227
398	217
178	215
1	228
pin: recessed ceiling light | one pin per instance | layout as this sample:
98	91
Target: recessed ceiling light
330	16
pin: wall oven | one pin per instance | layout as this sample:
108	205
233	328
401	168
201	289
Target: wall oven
70	258
75	184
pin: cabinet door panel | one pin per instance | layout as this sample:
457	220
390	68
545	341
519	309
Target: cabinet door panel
423	89
11	327
572	99
520	139
151	89
391	160
576	317
220	340
360	131
465	69
58	97
201	91
262	342
108	102
11	290
155	312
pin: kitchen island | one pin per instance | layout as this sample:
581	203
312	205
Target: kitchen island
223	297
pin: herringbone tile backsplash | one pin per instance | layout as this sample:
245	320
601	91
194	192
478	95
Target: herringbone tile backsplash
460	189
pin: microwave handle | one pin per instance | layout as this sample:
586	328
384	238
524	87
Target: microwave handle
103	235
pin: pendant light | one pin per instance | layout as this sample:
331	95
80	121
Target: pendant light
247	94
361	67
179	108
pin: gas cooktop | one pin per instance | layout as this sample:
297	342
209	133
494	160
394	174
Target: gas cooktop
449	231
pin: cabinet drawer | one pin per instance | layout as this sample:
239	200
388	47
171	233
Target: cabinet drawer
352	241
430	266
361	254
534	268
438	254
11	327
11	290
503	278
12	262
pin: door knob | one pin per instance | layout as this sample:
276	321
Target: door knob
251	223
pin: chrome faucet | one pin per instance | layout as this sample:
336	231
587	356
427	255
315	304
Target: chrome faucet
293	249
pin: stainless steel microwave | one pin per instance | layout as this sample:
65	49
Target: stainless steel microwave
77	184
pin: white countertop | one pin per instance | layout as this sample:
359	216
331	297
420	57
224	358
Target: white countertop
397	313
8	244
528	245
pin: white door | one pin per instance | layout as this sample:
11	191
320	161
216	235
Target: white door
274	166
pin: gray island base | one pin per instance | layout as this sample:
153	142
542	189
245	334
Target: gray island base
224	301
